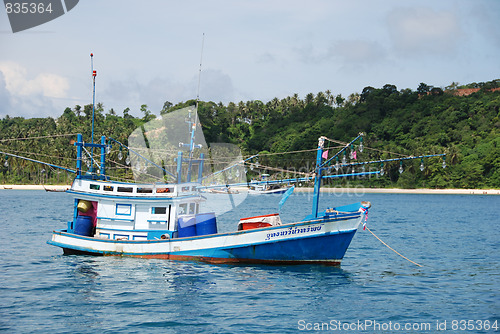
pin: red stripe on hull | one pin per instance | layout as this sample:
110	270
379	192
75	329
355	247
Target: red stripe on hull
216	260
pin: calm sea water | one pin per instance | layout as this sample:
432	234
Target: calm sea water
456	238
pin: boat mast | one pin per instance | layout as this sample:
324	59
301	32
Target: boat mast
94	73
321	165
317	177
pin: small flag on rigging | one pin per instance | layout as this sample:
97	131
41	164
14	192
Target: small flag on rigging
325	155
285	196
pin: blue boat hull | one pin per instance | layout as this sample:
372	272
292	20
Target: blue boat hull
322	240
325	249
329	248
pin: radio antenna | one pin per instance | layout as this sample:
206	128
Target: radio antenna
199	72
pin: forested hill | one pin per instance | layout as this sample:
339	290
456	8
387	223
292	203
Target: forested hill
463	122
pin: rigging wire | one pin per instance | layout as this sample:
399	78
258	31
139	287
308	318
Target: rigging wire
39	137
40	154
388	152
365	147
279	169
288	152
91	157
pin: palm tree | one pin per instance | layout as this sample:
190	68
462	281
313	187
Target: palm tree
321	99
309	98
329	97
339	100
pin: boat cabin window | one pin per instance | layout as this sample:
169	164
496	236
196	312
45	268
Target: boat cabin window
144	190
193	188
192	208
185	189
108	188
95	186
125	189
123	209
183	209
162	190
159	210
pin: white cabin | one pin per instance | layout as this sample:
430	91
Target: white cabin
126	211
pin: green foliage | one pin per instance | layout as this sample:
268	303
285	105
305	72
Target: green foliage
428	120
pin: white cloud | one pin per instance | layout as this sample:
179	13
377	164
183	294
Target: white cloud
31	97
5	99
46	84
417	31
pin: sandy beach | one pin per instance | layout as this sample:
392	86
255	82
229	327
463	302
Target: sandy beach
404	191
33	187
358	191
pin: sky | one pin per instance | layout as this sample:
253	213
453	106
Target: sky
149	52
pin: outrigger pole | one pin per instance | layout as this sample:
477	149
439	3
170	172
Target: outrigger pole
38	161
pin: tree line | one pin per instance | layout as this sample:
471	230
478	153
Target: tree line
410	122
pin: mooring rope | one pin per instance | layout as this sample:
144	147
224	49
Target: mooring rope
404	257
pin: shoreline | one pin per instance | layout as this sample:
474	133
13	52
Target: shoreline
34	187
308	189
421	191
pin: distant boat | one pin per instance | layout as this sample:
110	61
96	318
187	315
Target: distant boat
263	188
55	189
226	191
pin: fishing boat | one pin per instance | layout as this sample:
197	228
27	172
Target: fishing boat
169	220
